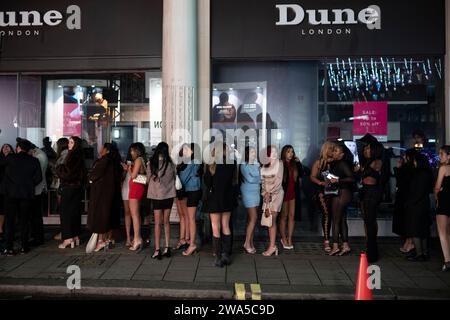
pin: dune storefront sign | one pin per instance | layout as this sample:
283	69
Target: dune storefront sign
27	23
328	21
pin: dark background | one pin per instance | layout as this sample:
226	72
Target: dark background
114	35
246	29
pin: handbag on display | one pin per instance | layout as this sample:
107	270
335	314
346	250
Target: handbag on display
90	247
266	218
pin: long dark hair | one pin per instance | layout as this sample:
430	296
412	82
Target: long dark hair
61	145
113	152
140	150
348	155
161	150
77	150
445	148
1	150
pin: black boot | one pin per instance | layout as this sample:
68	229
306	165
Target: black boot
217	251
226	249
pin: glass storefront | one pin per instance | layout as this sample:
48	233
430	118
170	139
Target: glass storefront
99	108
305	103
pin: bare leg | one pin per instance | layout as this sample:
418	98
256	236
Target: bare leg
273	231
126	206
225	221
181	213
136	219
291	221
444	235
252	216
192	211
215	224
157	228
283	221
167	226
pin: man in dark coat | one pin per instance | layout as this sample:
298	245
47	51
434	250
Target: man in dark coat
22	174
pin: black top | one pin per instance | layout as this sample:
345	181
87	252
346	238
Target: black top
368	171
342	170
220	192
22	173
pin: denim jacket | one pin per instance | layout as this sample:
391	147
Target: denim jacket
189	177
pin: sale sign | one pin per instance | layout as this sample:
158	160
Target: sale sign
370	117
72	120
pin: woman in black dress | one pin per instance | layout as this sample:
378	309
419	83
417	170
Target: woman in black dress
403	174
442	193
72	175
220	178
418	209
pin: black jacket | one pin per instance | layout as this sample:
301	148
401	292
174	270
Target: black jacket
22	174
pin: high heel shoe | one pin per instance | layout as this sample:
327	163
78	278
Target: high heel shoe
190	251
334	252
64	245
102	245
326	246
77	242
137	247
270	252
344	251
157	255
128	244
180	245
285	246
249	250
167	252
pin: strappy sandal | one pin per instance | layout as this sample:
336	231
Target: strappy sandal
180	245
334	252
326	246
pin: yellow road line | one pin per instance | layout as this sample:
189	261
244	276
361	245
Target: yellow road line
240	291
256	291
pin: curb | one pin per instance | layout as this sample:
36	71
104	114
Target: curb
114	292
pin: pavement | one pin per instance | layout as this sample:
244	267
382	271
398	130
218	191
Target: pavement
305	273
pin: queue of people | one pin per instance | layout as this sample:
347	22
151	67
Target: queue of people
269	184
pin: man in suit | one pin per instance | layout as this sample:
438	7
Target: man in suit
22	174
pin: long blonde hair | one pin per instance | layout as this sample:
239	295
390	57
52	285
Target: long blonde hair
327	147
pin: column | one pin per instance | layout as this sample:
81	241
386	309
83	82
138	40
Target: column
447	73
204	69
179	71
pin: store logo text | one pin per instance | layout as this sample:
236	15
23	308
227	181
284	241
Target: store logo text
50	18
293	15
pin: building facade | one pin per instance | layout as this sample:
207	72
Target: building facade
282	72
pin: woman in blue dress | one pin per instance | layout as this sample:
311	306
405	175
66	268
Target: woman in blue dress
251	194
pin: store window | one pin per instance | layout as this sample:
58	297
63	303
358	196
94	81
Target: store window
305	103
99	108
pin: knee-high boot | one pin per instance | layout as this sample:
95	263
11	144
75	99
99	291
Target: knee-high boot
217	248
226	249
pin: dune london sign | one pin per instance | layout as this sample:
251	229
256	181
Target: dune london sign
28	23
314	22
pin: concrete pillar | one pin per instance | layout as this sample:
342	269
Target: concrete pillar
179	71
447	73
204	69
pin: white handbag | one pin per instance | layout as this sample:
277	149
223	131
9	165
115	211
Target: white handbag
90	247
141	179
178	184
266	221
